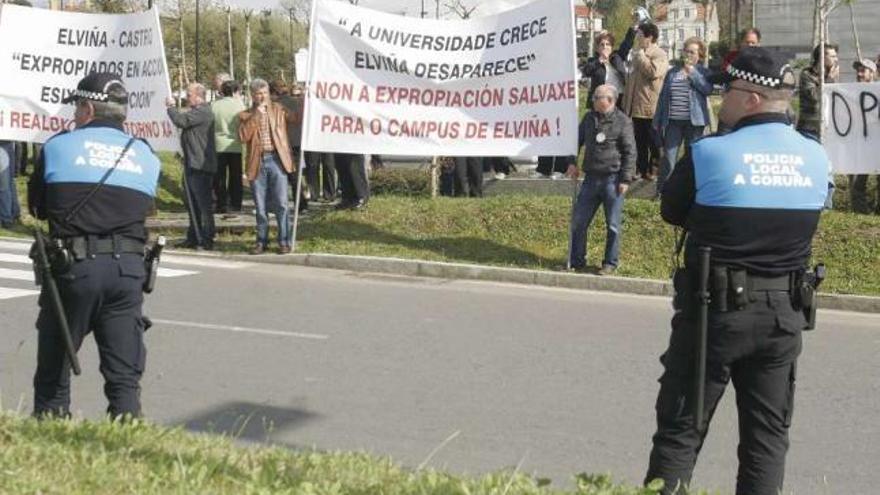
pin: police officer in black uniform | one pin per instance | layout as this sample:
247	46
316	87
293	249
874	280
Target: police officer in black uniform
102	229
753	196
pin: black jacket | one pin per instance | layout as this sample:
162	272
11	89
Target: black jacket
196	136
761	240
610	144
595	70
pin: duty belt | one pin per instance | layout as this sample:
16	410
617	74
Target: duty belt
82	247
733	289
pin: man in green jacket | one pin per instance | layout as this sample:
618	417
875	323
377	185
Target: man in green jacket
227	181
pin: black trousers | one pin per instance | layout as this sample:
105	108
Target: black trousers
321	174
200	189
468	176
756	348
498	164
858	194
549	164
293	178
101	295
352	177
647	149
227	181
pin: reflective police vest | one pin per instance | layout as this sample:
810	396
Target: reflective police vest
761	166
759	195
75	162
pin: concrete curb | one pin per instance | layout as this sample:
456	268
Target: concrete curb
545	278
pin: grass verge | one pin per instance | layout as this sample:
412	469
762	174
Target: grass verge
84	457
529	232
532	232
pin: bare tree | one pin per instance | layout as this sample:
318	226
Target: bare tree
591	5
855	29
460	9
247	44
229	39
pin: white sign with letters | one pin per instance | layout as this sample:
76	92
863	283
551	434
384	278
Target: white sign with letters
502	85
852	127
44	54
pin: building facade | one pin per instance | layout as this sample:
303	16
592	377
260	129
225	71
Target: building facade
679	20
788	25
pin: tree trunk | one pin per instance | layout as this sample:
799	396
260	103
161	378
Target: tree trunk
591	48
184	74
247	45
852	18
229	37
737	6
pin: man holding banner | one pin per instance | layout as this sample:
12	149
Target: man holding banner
866	72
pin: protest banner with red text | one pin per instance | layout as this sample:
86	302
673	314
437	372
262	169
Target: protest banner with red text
852	127
503	85
44	54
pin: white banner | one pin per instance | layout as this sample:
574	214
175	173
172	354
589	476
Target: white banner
852	127
502	85
44	54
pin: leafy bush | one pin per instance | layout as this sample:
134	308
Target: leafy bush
401	182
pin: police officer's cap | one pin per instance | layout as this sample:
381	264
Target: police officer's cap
99	86
760	66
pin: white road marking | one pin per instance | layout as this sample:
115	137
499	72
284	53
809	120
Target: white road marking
14	258
7	293
229	328
170	272
203	261
16	274
15	246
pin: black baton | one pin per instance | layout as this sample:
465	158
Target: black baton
60	316
702	335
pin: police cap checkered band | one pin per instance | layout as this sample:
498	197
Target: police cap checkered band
759	66
97	86
751	77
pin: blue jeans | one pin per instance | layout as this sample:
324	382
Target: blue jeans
676	132
594	191
9	206
270	193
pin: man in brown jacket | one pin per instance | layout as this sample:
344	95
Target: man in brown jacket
263	130
643	85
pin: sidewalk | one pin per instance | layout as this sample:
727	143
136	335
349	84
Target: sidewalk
546	278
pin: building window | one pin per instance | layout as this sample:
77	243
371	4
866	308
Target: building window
681	35
666	35
687	13
675	13
699	32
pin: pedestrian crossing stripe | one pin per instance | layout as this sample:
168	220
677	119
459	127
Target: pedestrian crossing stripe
16	274
15	246
9	293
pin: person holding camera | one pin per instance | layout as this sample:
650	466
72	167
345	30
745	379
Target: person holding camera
683	106
95	185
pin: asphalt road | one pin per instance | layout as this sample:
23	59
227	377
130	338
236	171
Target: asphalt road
495	375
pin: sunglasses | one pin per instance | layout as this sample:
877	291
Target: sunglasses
730	88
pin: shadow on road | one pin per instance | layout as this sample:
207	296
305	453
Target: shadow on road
247	421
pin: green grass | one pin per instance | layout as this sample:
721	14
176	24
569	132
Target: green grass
532	232
83	457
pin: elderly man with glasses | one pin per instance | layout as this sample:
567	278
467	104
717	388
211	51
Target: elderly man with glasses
608	166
